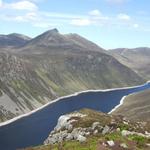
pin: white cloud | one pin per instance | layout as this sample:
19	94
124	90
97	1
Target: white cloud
32	16
63	15
95	12
124	17
43	25
19	19
22	5
81	22
116	1
1	3
135	25
47	19
28	17
36	1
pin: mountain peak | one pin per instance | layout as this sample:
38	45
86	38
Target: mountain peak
48	34
49	38
52	31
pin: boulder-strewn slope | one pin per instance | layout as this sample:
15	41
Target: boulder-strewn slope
136	106
53	65
137	59
87	129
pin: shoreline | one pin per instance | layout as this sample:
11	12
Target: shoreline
122	101
117	106
67	96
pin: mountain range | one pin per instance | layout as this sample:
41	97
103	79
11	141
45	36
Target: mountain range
137	59
35	71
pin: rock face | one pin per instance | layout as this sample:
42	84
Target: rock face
65	121
106	129
64	129
110	143
126	133
67	129
52	65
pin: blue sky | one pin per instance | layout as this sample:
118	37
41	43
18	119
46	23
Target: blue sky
109	23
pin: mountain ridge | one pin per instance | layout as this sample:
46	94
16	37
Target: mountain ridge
137	59
13	39
52	39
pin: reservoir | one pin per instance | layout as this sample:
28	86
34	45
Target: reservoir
33	129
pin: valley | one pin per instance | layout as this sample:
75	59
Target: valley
51	65
74	75
39	76
41	122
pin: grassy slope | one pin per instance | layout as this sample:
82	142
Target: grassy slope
33	80
95	143
136	106
136	59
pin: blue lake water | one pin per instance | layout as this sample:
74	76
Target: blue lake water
33	129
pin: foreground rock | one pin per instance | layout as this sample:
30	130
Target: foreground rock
114	132
88	129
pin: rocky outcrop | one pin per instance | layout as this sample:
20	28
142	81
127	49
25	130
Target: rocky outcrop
66	129
127	133
79	126
88	129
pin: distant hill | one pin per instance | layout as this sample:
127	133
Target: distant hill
136	106
13	40
137	59
51	65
